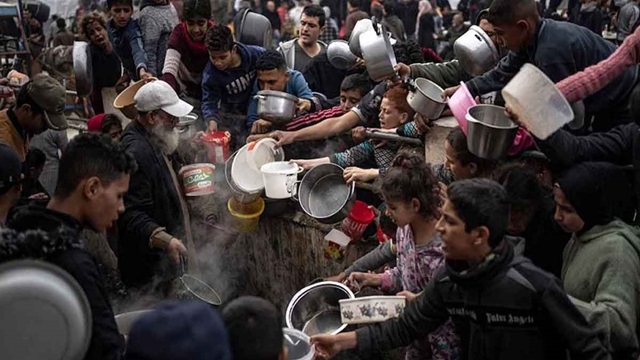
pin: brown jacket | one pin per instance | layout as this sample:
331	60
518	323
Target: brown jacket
11	136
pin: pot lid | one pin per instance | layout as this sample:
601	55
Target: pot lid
279	94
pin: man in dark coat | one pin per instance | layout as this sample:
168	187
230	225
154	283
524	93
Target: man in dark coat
157	217
94	176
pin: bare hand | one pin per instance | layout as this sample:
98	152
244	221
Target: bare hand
261	126
39	196
365	279
175	249
408	294
359	63
421	122
305	164
303	105
358	134
283	137
327	346
144	75
213	125
514	117
337	278
449	91
404	71
352	174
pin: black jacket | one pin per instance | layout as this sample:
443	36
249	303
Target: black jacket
61	245
323	77
505	309
620	145
150	203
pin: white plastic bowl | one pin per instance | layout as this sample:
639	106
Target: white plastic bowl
244	176
298	345
534	98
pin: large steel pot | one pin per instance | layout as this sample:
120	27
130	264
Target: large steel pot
425	97
361	27
276	106
324	195
316	309
253	29
125	321
378	55
476	52
82	68
490	132
188	126
44	312
340	56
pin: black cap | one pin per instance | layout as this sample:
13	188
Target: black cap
10	167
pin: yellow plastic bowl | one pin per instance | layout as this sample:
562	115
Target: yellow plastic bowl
245	216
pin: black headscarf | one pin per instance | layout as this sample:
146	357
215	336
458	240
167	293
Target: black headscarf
599	192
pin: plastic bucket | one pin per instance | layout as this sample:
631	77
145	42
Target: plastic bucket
245	216
197	179
298	345
459	103
359	218
217	144
280	179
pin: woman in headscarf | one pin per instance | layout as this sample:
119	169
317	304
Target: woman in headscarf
601	262
426	26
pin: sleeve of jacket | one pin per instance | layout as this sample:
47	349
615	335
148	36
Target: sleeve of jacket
138	204
613	309
374	259
496	79
616	146
150	38
210	94
420	317
409	129
301	87
445	75
252	110
355	156
137	47
570	326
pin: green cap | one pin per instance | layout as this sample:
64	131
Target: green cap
50	95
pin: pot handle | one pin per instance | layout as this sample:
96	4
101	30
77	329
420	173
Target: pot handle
374	22
293	189
259	97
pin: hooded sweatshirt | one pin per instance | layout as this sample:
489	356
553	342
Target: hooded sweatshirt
59	242
230	89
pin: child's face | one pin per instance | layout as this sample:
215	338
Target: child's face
197	28
120	14
459	171
457	243
402	212
222	60
566	215
390	117
97	34
349	99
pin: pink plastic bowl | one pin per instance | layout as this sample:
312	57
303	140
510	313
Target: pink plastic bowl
459	103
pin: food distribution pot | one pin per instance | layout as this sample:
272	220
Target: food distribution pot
324	195
425	97
276	106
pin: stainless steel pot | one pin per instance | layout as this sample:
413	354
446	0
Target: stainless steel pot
476	52
188	127
316	309
378	55
276	106
241	196
253	29
45	313
360	28
490	132
324	195
82	68
340	56
425	97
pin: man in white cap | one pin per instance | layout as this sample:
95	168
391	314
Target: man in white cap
154	229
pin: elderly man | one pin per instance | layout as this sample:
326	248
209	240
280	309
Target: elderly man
39	106
155	226
299	51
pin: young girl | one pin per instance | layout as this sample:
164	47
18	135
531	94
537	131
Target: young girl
460	163
394	111
412	195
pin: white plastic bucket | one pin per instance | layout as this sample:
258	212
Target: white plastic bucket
280	179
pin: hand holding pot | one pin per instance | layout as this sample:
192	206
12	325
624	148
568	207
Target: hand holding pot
449	91
283	137
421	123
337	278
303	105
409	295
358	134
352	174
175	249
261	126
404	71
213	125
365	279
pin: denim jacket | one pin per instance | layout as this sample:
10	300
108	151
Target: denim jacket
127	42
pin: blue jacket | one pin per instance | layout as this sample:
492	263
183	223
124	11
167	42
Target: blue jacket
232	89
127	42
296	86
561	49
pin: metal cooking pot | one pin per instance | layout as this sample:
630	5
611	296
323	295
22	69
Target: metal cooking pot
187	126
378	55
45	313
425	97
253	29
476	52
360	28
340	56
324	195
276	106
490	132
316	309
240	196
82	68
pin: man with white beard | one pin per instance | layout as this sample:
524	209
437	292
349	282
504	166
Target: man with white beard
154	230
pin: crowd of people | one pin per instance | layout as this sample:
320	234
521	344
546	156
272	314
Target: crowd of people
532	256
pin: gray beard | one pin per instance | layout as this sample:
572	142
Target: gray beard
167	140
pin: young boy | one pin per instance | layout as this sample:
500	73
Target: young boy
124	34
255	329
502	306
229	76
157	20
94	176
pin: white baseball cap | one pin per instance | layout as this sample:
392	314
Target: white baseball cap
158	95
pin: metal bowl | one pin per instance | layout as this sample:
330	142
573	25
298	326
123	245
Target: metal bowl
82	68
316	308
276	106
324	195
476	52
188	126
340	56
254	29
360	28
45	313
425	98
490	132
378	55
